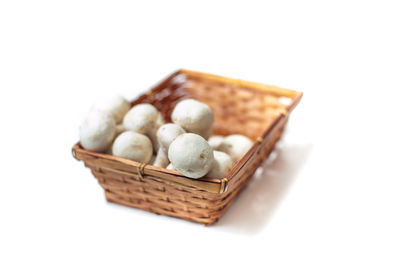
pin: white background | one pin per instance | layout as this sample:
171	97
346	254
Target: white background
331	196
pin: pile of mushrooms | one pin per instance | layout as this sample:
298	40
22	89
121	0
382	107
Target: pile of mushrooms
141	134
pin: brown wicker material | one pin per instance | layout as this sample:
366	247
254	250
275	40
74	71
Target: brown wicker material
240	107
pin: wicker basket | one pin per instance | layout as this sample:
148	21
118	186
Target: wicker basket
255	110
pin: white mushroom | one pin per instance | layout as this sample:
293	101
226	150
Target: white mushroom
153	132
134	146
221	166
118	130
97	131
215	141
191	155
161	159
160	120
193	116
235	146
115	104
167	133
141	118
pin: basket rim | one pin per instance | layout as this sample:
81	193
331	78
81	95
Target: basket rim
205	184
133	167
243	84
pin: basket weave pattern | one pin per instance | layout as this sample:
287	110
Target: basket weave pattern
255	110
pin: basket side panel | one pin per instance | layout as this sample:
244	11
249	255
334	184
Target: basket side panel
240	181
237	109
168	199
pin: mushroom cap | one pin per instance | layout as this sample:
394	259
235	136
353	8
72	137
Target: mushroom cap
141	118
97	131
193	116
191	155
167	133
235	146
215	141
221	166
115	104
134	146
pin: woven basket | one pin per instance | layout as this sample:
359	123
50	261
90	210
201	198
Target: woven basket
240	107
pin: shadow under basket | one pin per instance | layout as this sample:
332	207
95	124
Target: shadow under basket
240	107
